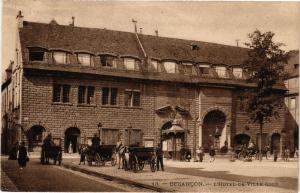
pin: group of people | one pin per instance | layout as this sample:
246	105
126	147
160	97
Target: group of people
123	154
19	152
200	154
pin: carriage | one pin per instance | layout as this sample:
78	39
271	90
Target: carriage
101	155
51	151
138	157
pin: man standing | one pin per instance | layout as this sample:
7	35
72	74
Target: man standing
159	157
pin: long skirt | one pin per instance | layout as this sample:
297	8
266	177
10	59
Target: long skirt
22	162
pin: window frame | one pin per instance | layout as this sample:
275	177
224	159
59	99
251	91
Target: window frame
204	66
109	96
219	69
131	93
170	62
107	57
61	52
36	50
86	54
86	90
191	66
62	90
240	71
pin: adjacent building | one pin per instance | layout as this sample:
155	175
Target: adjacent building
74	82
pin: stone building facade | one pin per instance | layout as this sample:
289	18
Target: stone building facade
75	82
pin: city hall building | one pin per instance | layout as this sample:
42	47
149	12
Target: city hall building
74	82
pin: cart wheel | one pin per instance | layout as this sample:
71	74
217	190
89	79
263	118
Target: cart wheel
153	164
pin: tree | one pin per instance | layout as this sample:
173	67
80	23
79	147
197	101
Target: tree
265	66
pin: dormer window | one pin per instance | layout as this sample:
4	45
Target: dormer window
237	72
204	69
188	68
60	57
108	61
131	64
170	67
36	54
84	59
221	71
154	65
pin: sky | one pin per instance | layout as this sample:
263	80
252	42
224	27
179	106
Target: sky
218	22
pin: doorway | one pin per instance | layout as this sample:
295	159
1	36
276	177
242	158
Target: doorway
72	140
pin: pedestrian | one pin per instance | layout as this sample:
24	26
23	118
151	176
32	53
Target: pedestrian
286	154
200	154
70	148
159	158
13	151
120	153
212	153
83	153
22	155
296	154
275	152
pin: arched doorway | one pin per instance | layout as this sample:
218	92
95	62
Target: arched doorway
275	142
72	140
213	130
35	138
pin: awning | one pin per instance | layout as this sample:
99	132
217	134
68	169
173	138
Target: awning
176	128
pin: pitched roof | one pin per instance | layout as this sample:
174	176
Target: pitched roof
125	43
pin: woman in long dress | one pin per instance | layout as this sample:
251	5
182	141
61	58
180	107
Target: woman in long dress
22	155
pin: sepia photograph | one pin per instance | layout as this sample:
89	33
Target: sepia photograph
149	96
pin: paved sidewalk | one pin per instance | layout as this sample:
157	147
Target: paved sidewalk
182	182
6	183
266	168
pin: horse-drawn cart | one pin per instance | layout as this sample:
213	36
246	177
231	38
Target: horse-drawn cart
101	155
138	157
51	151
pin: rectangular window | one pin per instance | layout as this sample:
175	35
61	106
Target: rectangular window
61	93
204	69
188	68
237	72
60	57
129	63
132	98
36	55
56	92
86	94
113	96
133	137
170	67
105	96
221	71
84	59
108	61
154	65
90	94
66	93
109	96
81	94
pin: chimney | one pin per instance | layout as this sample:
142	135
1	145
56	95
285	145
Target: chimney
237	43
141	30
73	21
156	33
135	28
20	19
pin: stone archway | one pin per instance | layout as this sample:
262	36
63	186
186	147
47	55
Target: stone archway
35	138
213	129
72	139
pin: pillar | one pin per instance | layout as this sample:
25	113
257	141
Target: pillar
200	134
